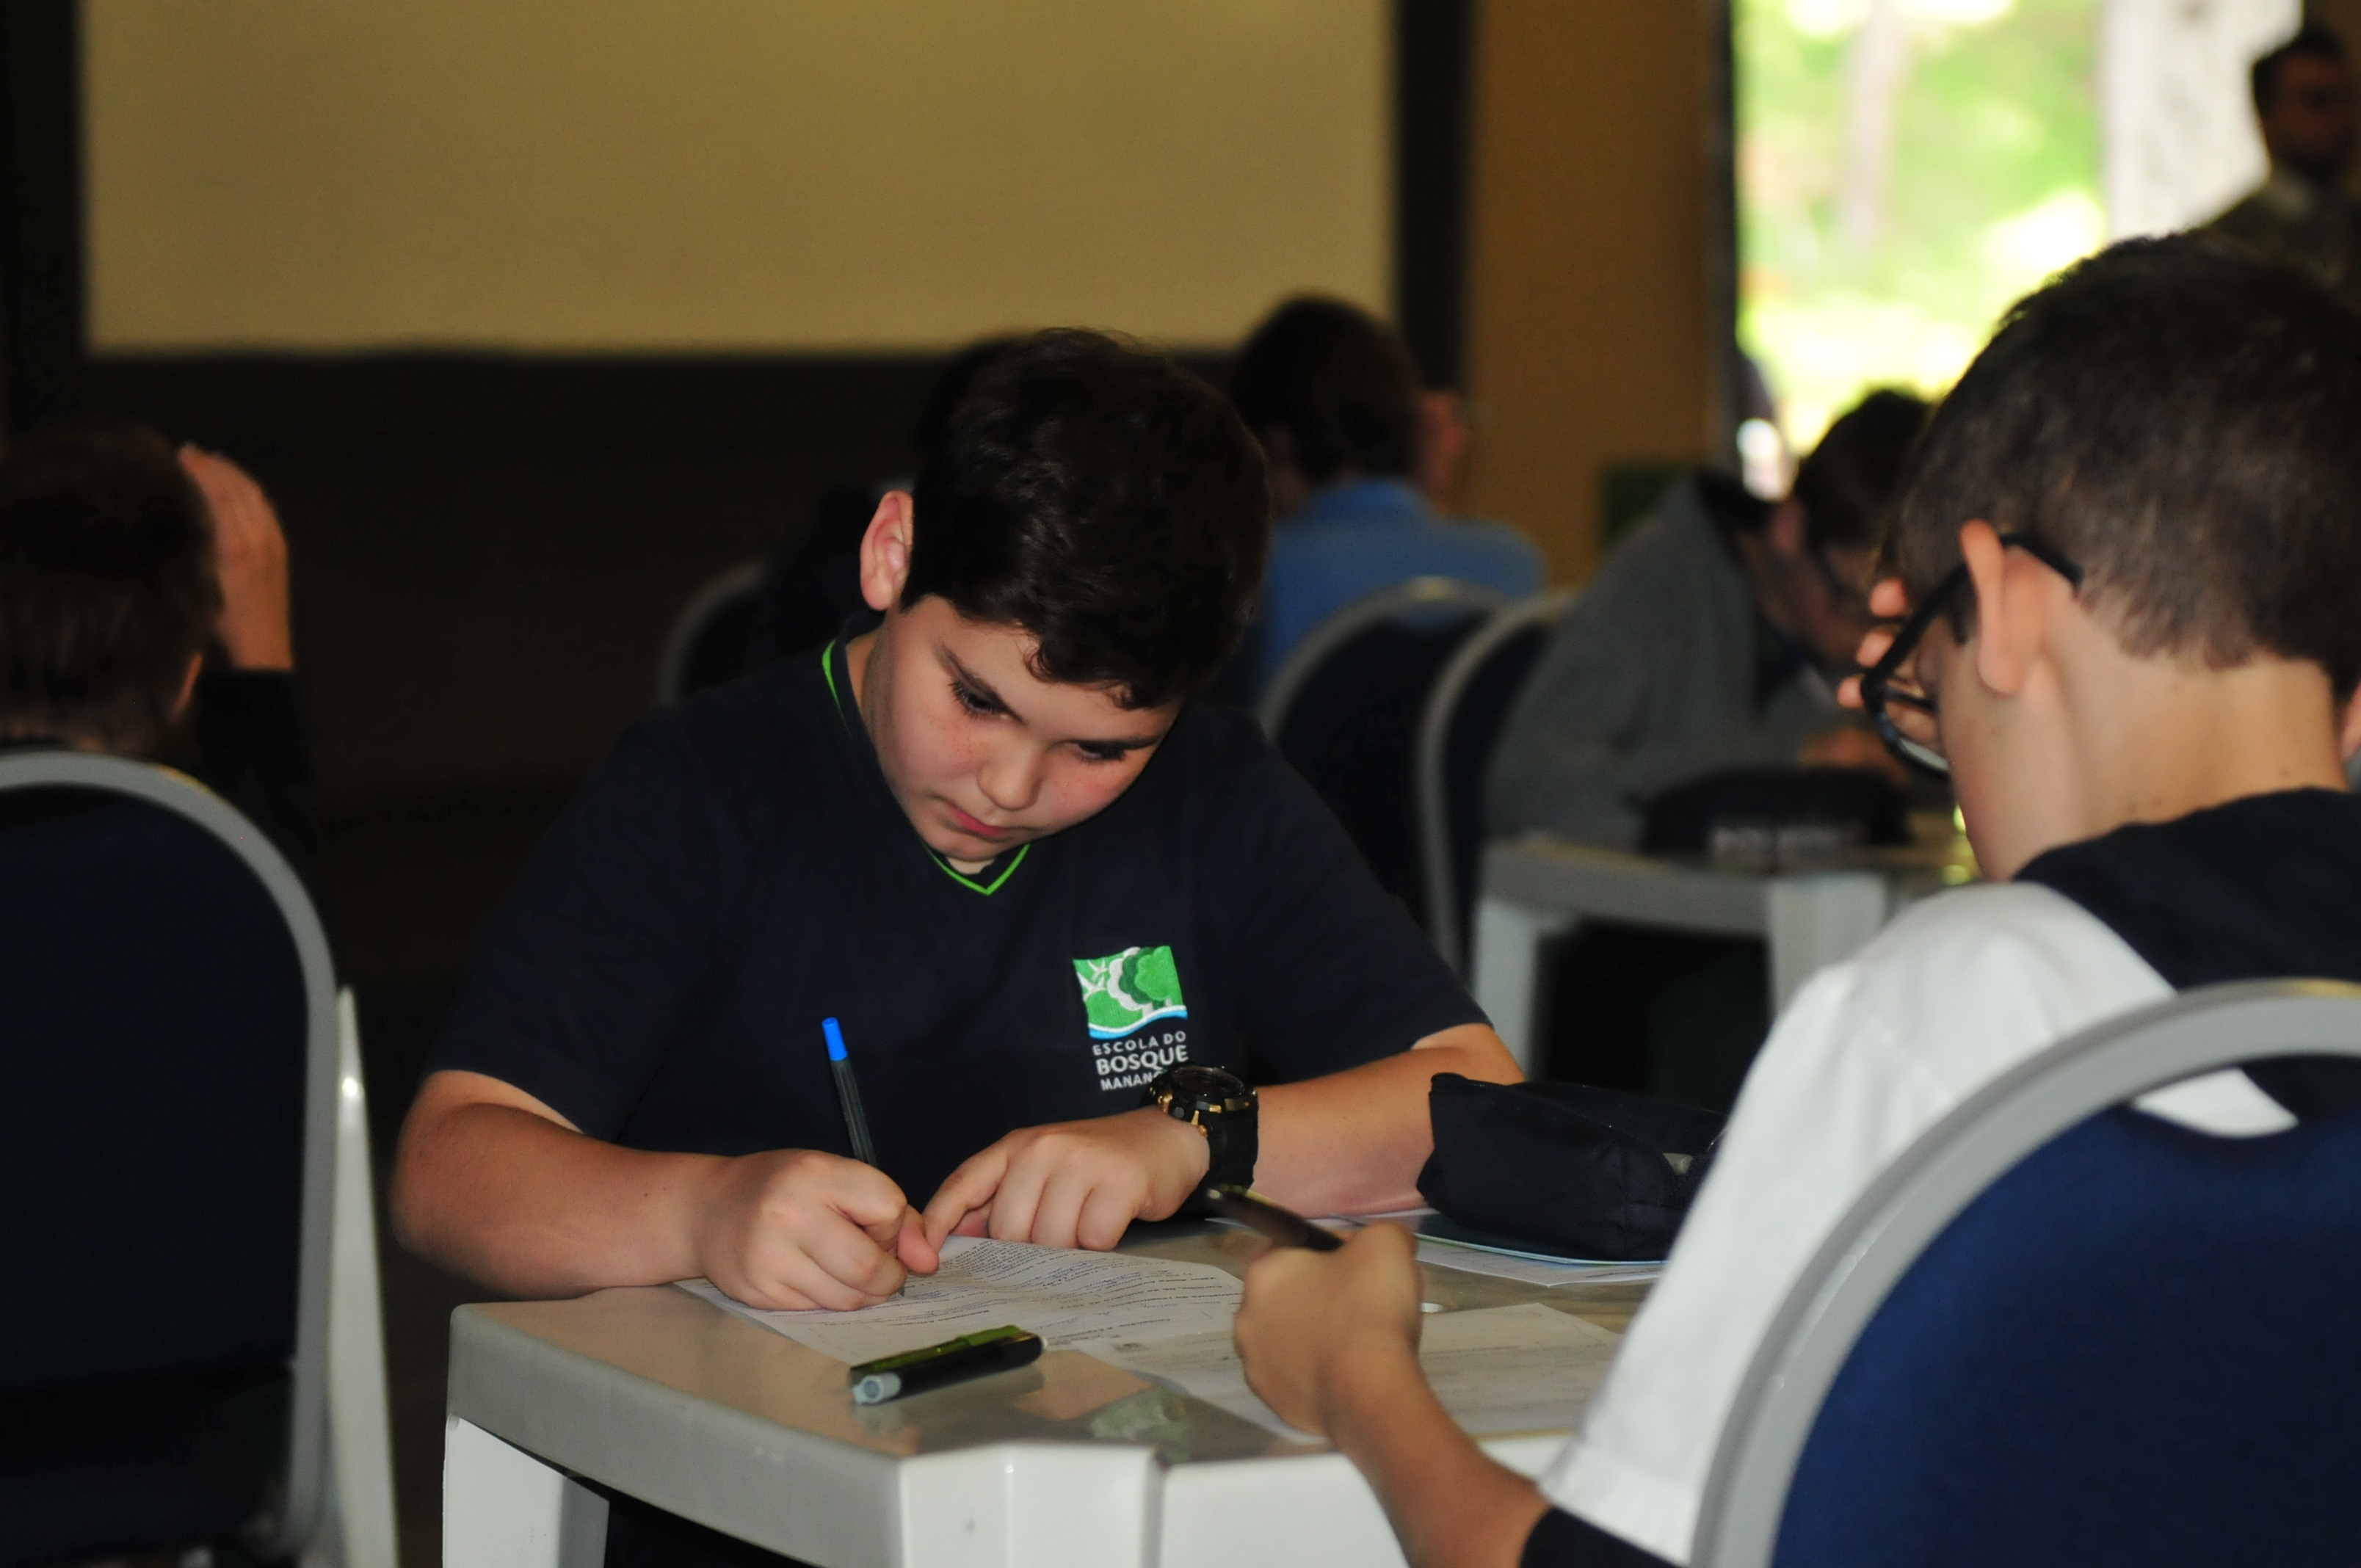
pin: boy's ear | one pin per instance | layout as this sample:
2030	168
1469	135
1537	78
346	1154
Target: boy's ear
2011	608
886	551
2349	738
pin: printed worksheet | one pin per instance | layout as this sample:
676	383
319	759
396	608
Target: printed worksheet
1497	1369
1068	1298
1531	1270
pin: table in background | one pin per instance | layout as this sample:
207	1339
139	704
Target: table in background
658	1395
1809	915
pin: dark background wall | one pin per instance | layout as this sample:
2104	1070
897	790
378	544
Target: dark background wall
487	550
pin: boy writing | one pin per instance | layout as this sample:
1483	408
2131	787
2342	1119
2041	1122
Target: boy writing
2134	532
992	837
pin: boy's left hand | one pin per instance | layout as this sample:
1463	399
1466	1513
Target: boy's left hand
1313	1323
1072	1183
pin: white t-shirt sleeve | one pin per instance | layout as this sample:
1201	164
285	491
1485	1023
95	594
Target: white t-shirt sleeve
1870	1053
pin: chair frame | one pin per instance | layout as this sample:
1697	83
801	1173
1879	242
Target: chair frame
1433	739
332	1074
672	665
1418	593
1985	1137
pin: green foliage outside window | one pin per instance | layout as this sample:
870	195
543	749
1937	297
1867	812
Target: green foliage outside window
1906	169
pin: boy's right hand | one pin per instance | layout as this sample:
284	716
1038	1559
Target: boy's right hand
793	1229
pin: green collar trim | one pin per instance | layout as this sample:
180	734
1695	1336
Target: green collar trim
827	673
987	889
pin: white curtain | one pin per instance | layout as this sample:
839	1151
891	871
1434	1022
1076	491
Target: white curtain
2178	126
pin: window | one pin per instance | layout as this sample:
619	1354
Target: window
1906	169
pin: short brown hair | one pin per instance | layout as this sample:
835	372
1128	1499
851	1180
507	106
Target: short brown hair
2186	424
107	585
1104	499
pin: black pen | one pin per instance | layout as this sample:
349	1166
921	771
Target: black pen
1284	1226
848	1093
953	1361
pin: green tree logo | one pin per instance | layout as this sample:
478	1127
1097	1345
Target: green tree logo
1129	990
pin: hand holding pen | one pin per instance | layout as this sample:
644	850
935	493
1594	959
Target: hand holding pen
793	1229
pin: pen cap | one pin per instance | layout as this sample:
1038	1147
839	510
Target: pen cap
877	1388
835	1033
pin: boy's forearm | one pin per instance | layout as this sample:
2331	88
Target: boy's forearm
1352	1143
530	1208
1452	1505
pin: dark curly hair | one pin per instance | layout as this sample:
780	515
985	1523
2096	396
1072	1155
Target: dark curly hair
1105	500
107	585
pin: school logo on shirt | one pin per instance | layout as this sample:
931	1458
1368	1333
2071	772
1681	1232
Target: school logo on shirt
1123	995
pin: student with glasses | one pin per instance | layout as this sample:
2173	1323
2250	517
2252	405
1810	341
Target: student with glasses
1712	638
1892	683
2131	535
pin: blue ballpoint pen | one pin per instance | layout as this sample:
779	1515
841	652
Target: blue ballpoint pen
848	1093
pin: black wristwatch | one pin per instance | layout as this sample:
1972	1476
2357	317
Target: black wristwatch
1220	1105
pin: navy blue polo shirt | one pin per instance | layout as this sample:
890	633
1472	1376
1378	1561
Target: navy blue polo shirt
738	871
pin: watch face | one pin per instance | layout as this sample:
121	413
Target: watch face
1192	1081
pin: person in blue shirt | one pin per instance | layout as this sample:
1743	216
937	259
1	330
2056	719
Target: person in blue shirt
1335	397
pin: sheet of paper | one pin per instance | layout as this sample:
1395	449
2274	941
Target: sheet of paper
1203	1365
1497	1369
1521	1368
1531	1270
1064	1295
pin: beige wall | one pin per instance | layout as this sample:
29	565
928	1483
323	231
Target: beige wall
726	174
1587	306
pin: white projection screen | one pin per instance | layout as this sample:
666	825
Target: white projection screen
724	176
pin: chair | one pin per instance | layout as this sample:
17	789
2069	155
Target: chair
1345	710
2061	1330
191	1347
710	638
1457	735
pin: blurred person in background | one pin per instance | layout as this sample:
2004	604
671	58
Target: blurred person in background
144	612
1358	453
2302	215
1711	637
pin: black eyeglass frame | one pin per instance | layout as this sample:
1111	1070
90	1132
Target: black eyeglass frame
1877	688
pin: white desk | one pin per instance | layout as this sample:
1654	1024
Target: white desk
1534	888
658	1395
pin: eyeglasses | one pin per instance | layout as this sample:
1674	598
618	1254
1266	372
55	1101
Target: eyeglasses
1886	685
